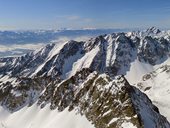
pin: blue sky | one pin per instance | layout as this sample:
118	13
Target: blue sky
55	14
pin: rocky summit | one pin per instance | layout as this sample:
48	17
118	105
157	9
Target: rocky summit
92	78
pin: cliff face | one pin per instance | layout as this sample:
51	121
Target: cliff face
105	102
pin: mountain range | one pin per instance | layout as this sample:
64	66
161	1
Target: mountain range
19	42
117	80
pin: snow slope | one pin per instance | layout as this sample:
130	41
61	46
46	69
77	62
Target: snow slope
156	85
34	117
139	69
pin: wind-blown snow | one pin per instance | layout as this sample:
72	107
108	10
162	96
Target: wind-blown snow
84	62
160	91
69	63
137	70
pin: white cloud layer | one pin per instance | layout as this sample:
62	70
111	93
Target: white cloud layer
65	38
20	49
4	48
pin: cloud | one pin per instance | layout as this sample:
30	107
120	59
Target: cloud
73	18
20	49
63	39
78	18
5	48
5	27
88	20
35	46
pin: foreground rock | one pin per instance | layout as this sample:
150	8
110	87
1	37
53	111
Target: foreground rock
105	102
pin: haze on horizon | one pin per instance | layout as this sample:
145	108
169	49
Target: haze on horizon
76	14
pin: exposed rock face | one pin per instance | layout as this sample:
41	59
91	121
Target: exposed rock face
105	102
84	76
153	30
153	50
21	92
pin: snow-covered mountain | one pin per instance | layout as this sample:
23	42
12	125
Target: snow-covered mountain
112	53
83	77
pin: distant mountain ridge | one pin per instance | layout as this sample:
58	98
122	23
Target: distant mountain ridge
45	36
17	43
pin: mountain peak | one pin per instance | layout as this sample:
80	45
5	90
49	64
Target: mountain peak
153	30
